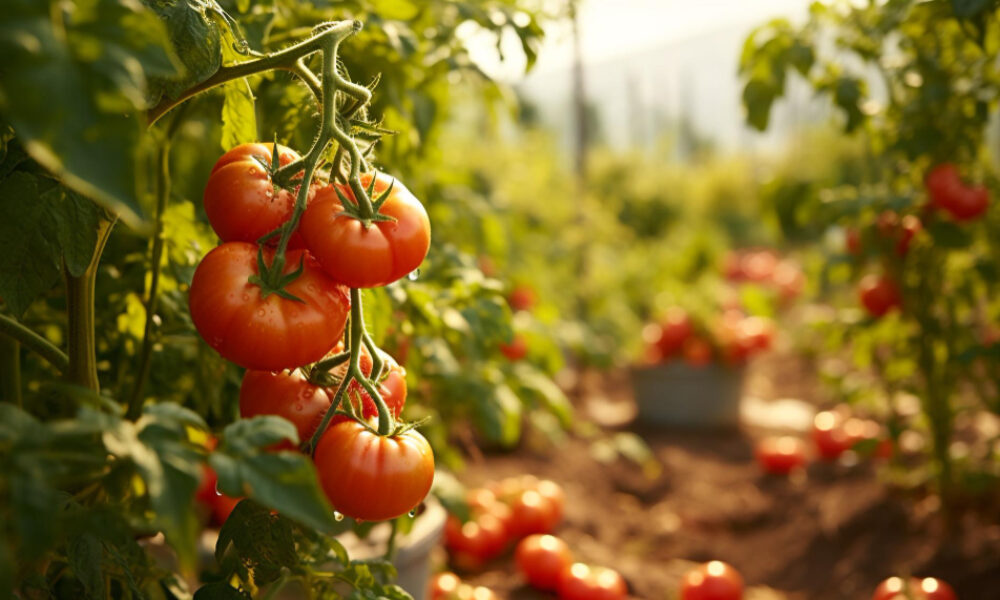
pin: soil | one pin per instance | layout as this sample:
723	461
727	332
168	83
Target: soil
830	533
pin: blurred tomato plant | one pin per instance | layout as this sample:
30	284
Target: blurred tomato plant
910	221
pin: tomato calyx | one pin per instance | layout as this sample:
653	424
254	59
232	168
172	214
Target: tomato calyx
355	210
271	281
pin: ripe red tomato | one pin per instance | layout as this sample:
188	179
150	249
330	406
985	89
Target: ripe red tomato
372	257
534	513
444	586
969	203
467	592
541	558
928	588
756	333
879	294
470	545
522	297
675	329
781	455
829	436
509	488
942	182
714	580
852	239
584	582
218	504
516	349
697	352
272	333
758	265
370	477
287	394
553	492
241	202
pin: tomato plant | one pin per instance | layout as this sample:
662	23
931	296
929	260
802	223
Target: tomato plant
541	558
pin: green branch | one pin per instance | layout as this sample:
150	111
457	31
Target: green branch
34	342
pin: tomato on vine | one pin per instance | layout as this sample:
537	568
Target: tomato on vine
541	558
473	543
287	394
363	255
879	294
241	201
392	387
266	331
370	477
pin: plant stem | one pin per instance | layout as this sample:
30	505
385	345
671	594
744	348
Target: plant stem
390	545
34	342
82	369
284	59
10	371
155	258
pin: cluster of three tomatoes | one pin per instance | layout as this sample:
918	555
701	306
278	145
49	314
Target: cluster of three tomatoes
273	332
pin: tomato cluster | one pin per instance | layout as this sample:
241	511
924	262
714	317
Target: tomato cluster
948	192
502	513
281	313
731	338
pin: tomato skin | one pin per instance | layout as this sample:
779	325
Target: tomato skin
218	504
443	585
675	330
516	350
942	182
541	558
936	589
583	582
472	544
534	513
522	297
852	240
780	455
879	294
712	581
373	478
265	334
287	394
240	200
373	257
969	203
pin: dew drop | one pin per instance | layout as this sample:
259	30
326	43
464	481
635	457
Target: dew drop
246	297
337	516
268	194
261	312
412	513
413	275
253	170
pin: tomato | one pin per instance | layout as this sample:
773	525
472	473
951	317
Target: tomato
392	388
522	297
553	492
482	501
241	202
697	352
714	580
756	333
852	240
218	504
942	183
370	477
829	436
731	266
272	333
584	582
928	588
969	203
467	592
533	513
516	349
675	329
475	542
781	455
363	258
759	265
509	488
444	586
879	294
287	394
541	558
789	279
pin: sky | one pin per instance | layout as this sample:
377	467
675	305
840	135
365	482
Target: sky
613	28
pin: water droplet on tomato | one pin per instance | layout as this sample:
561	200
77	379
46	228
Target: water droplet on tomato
268	193
413	275
412	513
261	312
337	516
253	170
246	297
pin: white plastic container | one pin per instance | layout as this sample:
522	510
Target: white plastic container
679	395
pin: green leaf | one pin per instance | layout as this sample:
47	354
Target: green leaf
553	398
239	121
949	235
85	556
758	96
220	590
262	542
52	225
378	312
970	8
195	37
75	75
499	413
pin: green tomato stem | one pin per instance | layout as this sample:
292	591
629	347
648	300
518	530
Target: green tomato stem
34	342
82	368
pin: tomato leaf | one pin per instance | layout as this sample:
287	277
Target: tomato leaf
263	542
195	37
85	555
75	70
239	123
53	225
